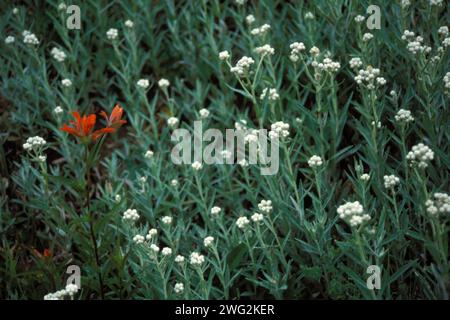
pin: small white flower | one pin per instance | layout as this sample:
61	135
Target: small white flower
58	110
367	36
208	241
62	6
243	163
257	217
261	30
265	50
167	220
440	204
138	239
151	234
443	31
66	82
314	51
118	198
58	54
196	165
250	19
215	210
359	18
365	177
265	206
420	154
149	154
178	288
30	38
224	55
15	11
112	34
35	143
71	289
279	129
315	161
242	66
143	83
163	83
271	93
42	158
9	39
172	122
353	213
130	214
355	63
129	24
242	222
204	113
179	259
404	116
196	259
174	182
166	251
309	16
154	248
391	181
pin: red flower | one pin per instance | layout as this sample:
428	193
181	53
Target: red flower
83	127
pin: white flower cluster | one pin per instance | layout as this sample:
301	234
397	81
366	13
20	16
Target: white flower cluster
149	154
151	234
415	44
167	220
367	36
66	83
265	206
440	204
250	19
405	4
404	116
262	30
326	65
58	54
353	213
365	177
196	259
355	63
359	18
172	122
370	78
163	83
215	210
204	113
257	217
178	288
112	34
224	55
196	165
436	2
208	241
242	222
271	93
447	80
315	161
309	15
130	214
179	259
154	248
70	290
129	24
242	66
443	31
279	129
420	154
58	110
9	39
296	50
391	181
30	38
138	239
34	143
143	83
265	50
166	251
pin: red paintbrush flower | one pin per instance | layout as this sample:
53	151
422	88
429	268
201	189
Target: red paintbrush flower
115	119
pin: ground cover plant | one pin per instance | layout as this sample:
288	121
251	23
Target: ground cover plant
87	181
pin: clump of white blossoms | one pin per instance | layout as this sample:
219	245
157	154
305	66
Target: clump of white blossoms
355	63
196	165
196	259
178	288
9	39
204	113
404	116
265	50
265	206
365	177
420	154
315	161
138	239
151	234
271	93
66	83
35	143
154	248
129	24
250	19
443	31
112	34
353	213
166	251
143	83
130	214
296	50
359	18
309	15
58	54
242	66
279	129
440	204
224	55
215	210
405	4
447	80
163	83
30	38
414	44
242	222
174	182
262	30
369	77
149	154
172	122
391	181
436	2
167	220
367	37
179	259
208	241
58	110
257	217
70	290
